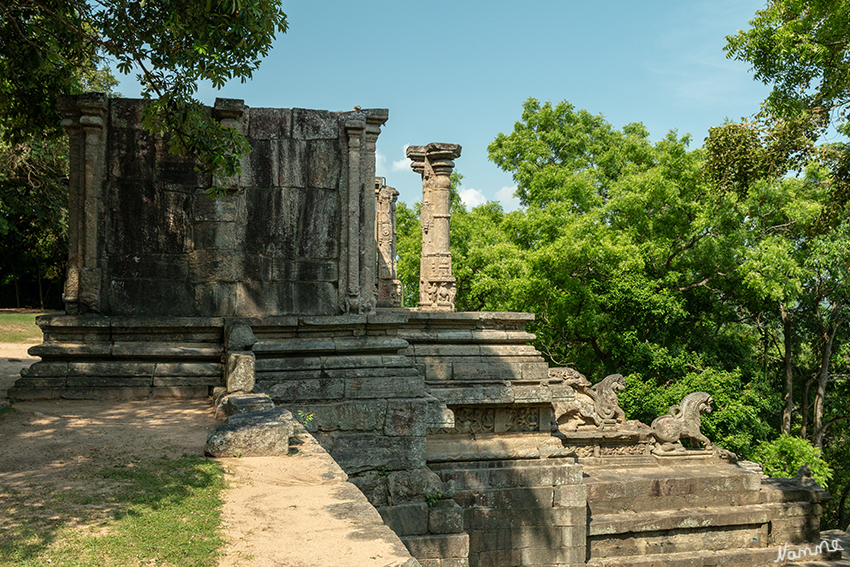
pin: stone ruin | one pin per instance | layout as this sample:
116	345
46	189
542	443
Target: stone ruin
281	298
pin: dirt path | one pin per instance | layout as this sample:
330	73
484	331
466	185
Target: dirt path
278	511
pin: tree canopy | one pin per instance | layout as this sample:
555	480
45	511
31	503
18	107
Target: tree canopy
801	48
48	47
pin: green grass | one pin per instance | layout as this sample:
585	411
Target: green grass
19	328
162	513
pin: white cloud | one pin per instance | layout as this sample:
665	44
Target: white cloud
380	164
472	197
404	163
505	195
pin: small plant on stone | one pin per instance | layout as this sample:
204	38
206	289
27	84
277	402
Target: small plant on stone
383	473
305	418
431	498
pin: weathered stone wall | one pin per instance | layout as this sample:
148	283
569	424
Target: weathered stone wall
292	235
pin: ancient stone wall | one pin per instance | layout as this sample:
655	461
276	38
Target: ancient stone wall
292	235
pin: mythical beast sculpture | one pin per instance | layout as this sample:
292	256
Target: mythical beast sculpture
593	406
683	421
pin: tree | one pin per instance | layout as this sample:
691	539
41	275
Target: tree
801	48
46	46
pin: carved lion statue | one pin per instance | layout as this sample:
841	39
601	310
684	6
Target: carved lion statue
683	421
581	411
593	404
607	405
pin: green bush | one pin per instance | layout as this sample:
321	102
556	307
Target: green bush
783	456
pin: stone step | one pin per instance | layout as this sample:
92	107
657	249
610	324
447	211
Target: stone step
756	557
686	519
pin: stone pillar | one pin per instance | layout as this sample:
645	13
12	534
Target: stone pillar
389	287
354	130
84	119
436	283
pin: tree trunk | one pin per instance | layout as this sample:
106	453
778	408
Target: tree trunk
40	294
789	371
804	409
842	517
823	377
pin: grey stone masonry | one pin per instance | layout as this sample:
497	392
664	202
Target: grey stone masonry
479	358
288	237
520	512
671	514
97	357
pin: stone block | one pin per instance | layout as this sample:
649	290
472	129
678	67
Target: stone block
384	387
413	485
289	391
148	266
16	394
314	124
40	382
491	371
109	382
438	371
238	335
438	546
104	393
215	235
317	271
508	498
445	517
406	519
262	163
270	123
366	415
500	558
183	392
186	381
234	404
538	371
406	417
357	452
254	436
195	368
216	266
151	297
571	495
45	369
556	556
322	164
255	299
239	372
222	209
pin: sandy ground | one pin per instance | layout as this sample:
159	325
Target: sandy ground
279	511
13	357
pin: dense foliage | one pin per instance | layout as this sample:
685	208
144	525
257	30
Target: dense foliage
48	46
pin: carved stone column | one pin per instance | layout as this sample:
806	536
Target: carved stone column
353	301
436	283
389	287
84	119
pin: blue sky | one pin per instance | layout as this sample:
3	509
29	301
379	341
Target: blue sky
459	71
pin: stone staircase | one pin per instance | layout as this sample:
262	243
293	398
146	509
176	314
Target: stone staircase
693	516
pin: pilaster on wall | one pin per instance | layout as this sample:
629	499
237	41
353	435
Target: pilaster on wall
436	283
357	283
84	119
